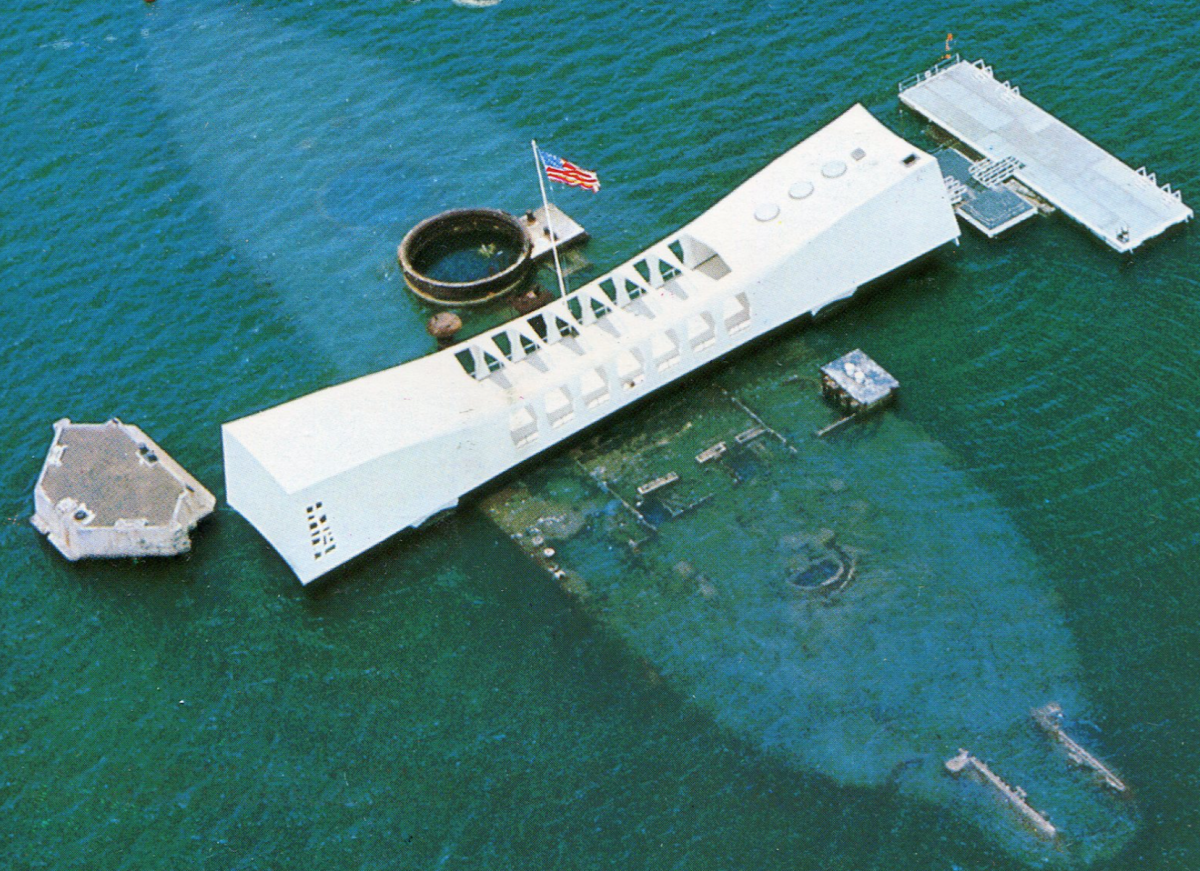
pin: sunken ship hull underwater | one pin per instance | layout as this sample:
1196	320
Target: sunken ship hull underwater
796	591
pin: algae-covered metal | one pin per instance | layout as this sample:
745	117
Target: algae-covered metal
804	600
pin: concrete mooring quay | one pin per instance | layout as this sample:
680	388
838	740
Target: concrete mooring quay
108	490
1017	139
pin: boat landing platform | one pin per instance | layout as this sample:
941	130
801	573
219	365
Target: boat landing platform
1123	206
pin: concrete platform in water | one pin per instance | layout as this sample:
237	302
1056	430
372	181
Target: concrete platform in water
1123	206
107	490
566	229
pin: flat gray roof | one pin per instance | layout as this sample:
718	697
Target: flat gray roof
103	468
1122	206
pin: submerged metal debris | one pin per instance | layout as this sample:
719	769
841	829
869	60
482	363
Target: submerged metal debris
1014	795
800	598
1049	718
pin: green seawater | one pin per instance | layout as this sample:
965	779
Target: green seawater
201	204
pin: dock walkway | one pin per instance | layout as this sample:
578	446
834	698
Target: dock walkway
1123	206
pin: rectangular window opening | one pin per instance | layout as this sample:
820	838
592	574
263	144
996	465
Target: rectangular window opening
702	331
737	313
594	386
523	426
504	343
630	370
466	360
560	409
665	352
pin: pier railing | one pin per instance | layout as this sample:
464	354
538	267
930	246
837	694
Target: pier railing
938	67
1152	178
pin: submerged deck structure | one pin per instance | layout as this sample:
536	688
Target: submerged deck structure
1049	718
1122	206
1014	795
329	475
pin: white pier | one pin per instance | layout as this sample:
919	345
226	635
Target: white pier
1123	206
327	476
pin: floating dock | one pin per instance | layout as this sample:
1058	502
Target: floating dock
107	490
1014	795
1123	206
1049	718
987	205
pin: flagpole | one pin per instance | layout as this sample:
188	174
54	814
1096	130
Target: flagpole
537	163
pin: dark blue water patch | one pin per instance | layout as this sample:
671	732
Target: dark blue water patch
377	194
742	464
655	512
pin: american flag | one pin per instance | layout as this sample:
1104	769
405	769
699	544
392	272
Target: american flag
566	172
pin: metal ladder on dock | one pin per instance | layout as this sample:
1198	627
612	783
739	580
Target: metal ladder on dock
956	189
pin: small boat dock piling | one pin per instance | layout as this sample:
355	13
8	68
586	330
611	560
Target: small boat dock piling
1016	139
1049	718
858	385
1014	795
